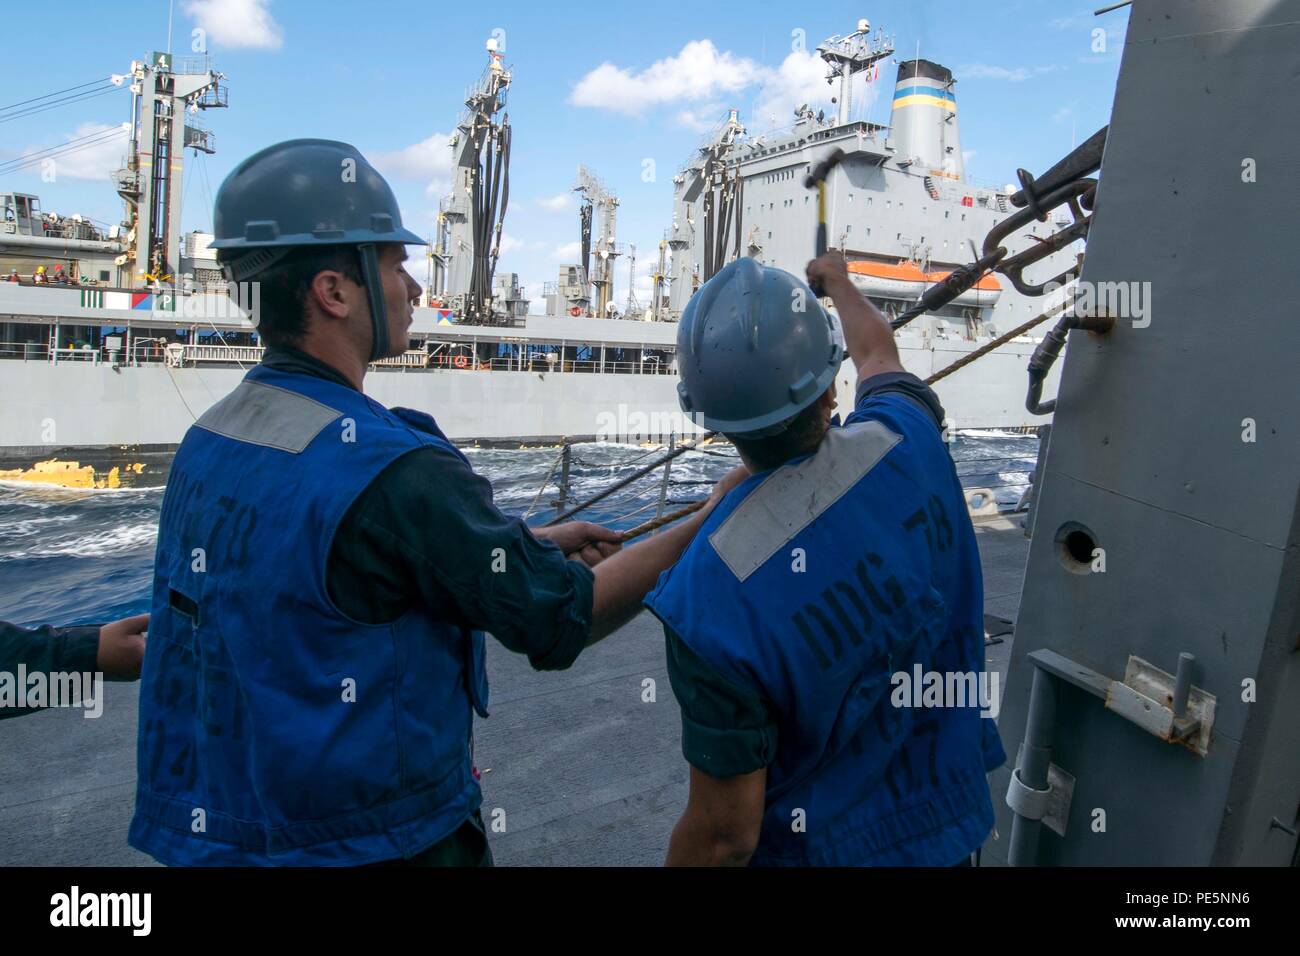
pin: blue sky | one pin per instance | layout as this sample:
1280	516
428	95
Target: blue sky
604	84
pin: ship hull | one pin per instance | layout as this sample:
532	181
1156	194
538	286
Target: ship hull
122	424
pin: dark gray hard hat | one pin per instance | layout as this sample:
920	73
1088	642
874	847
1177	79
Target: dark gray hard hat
754	348
308	192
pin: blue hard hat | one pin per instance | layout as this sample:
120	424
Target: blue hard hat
754	348
308	192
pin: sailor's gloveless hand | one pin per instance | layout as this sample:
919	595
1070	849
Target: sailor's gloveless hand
828	270
582	540
121	648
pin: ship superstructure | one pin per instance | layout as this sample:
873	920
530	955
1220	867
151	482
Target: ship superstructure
899	204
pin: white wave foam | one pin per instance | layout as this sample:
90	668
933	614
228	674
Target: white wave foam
117	540
23	529
993	433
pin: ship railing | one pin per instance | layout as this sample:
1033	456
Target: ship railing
143	351
25	351
411	358
588	366
993	486
231	354
191	65
76	354
41	352
252	354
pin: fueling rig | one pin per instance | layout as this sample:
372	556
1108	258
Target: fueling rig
468	239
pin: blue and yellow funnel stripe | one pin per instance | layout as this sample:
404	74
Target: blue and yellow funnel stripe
924	96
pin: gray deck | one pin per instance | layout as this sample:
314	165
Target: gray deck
585	772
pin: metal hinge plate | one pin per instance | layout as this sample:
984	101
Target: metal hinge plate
1145	697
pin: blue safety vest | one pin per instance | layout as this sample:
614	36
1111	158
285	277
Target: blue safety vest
817	585
273	728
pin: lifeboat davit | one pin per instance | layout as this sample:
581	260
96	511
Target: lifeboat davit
907	281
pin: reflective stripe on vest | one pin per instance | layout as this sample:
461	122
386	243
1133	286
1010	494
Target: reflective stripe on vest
793	497
267	415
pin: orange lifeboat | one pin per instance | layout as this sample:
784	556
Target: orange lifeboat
907	281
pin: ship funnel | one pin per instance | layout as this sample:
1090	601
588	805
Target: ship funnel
924	119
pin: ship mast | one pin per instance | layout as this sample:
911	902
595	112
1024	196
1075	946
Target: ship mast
846	56
599	207
470	219
633	306
165	95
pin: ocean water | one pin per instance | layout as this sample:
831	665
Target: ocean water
70	557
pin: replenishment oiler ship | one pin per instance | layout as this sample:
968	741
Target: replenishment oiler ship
113	343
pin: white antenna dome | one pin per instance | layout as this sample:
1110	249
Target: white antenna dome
492	44
864	25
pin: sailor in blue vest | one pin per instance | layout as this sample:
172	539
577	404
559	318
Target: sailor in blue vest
820	588
326	566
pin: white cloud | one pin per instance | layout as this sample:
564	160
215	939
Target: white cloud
984	71
568	252
800	79
97	159
427	162
967	155
557	203
237	23
699	72
508	244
